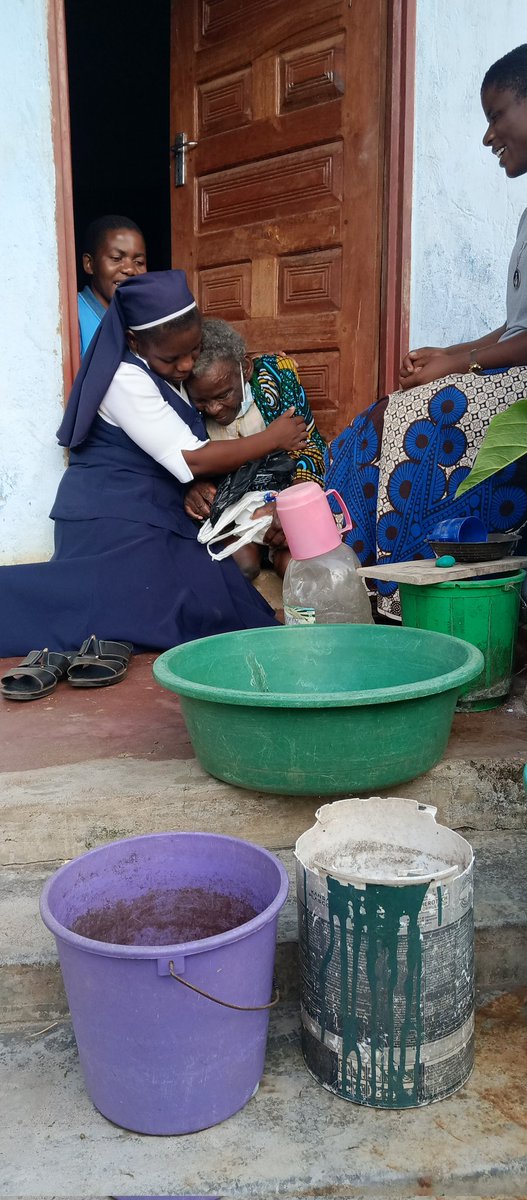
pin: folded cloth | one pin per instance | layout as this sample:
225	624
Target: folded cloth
237	523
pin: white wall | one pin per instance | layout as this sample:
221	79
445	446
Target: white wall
31	388
465	210
464	221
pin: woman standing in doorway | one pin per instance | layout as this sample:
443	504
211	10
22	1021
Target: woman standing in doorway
114	250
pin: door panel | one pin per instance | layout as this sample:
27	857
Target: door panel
266	191
279	223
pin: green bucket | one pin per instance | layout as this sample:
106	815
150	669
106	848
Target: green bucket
481	611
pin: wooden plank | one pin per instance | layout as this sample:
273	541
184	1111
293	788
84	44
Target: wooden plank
421	572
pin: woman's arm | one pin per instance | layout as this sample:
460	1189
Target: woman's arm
134	404
509	353
288	432
416	360
489	339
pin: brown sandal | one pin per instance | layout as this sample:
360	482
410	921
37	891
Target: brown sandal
36	676
99	663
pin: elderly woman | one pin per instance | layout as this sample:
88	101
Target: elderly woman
399	464
241	396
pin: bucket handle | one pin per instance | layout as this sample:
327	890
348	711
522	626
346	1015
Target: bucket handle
224	1003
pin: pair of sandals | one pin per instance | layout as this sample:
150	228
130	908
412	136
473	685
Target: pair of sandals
97	664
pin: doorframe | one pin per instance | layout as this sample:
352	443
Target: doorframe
394	322
394	315
60	124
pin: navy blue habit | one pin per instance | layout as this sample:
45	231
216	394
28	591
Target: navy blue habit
127	565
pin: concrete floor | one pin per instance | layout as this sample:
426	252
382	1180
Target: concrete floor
292	1140
82	768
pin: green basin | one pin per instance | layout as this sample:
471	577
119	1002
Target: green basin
322	709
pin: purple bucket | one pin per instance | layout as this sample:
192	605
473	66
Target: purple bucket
158	1057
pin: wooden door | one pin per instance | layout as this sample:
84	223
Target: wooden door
279	222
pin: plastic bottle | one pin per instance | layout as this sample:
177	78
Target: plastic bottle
321	585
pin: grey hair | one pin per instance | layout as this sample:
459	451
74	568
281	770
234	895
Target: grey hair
219	341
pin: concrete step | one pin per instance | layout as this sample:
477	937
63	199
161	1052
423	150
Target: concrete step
30	980
293	1139
56	812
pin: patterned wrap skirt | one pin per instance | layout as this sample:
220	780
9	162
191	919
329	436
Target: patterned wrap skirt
398	465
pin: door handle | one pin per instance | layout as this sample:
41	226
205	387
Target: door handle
179	152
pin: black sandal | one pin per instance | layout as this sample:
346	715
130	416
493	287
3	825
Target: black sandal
36	676
99	663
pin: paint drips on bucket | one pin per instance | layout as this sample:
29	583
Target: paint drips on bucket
378	914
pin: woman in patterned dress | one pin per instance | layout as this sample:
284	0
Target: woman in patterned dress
240	396
399	464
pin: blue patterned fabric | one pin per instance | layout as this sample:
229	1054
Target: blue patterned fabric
399	464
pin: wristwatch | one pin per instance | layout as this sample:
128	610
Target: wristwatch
475	367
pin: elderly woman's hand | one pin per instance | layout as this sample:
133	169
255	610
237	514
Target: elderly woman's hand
198	499
274	535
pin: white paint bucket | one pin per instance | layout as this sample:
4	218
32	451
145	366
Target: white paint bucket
386	931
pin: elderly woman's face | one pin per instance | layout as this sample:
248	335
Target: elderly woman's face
506	135
218	393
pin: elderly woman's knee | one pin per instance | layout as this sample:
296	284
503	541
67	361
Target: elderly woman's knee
249	560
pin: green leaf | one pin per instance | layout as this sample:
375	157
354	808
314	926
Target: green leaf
504	442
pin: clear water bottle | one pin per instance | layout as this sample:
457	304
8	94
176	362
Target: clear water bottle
326	590
321	585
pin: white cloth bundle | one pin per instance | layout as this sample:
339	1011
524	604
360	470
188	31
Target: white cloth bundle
236	521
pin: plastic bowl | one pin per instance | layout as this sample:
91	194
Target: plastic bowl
322	709
498	545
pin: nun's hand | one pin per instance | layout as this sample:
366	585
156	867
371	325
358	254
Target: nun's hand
198	499
288	432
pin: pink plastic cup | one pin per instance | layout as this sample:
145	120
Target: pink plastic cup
307	520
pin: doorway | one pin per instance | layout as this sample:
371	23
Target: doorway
119	100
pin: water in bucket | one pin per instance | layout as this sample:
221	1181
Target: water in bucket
165	917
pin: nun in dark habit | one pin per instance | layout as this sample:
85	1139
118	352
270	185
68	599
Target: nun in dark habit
127	564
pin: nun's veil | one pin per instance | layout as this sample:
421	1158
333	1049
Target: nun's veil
139	303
